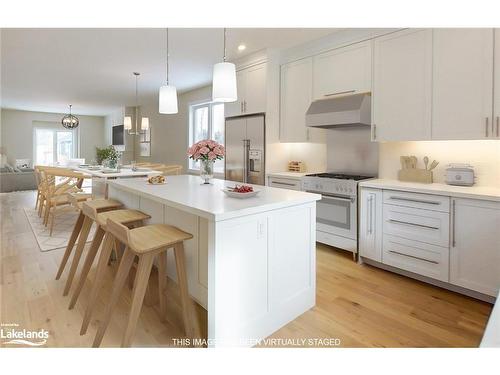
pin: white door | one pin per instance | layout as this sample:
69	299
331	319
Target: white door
296	95
370	224
255	89
402	86
475	247
343	70
496	68
236	108
462	94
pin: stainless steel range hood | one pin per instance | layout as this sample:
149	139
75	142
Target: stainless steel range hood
340	111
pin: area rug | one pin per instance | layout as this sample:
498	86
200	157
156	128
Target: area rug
62	229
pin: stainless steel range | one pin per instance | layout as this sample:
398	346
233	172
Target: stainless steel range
337	211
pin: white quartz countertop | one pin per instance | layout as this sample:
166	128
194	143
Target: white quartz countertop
473	192
124	172
186	192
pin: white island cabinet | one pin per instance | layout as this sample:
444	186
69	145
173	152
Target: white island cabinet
251	262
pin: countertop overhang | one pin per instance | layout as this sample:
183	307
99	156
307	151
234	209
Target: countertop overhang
186	192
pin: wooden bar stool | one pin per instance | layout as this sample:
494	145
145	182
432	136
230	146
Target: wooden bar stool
100	205
76	200
145	243
125	217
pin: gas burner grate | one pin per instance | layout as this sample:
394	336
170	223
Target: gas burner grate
340	176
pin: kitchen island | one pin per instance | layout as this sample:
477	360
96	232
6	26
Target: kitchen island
251	263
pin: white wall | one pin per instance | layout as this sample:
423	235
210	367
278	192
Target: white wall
17	133
483	155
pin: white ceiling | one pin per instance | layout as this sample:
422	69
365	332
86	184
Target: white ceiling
48	69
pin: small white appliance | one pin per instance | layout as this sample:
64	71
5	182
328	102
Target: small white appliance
460	174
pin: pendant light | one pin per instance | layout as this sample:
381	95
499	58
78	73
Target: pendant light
127	120
168	95
224	80
70	121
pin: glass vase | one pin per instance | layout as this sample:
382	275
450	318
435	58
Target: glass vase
206	170
112	163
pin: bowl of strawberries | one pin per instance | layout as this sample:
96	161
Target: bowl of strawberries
240	191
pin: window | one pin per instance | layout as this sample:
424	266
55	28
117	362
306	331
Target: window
53	146
206	122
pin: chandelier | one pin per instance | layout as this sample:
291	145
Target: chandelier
70	121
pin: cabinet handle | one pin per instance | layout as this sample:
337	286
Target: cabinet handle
413	200
486	126
413	256
282	183
241	107
340	93
453	203
374	132
498	132
412	224
371	214
245	106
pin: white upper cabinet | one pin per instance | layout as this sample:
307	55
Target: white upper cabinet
343	70
255	89
251	86
295	98
402	86
236	108
475	247
496	69
462	95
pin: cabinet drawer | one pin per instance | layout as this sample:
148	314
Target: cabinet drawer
285	183
417	200
432	227
423	259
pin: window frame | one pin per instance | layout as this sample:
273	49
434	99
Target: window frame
74	141
193	165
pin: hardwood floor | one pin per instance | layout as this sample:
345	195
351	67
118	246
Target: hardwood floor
359	305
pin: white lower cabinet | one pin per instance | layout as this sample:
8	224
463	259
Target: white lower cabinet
421	234
418	257
284	183
475	247
370	225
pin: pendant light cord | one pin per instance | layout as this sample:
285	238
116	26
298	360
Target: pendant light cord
224	59
136	98
167	56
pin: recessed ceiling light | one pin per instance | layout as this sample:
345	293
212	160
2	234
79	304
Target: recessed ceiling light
241	47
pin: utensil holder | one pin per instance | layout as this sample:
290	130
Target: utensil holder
415	175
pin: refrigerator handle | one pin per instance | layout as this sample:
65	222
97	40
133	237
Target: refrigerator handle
245	161
248	162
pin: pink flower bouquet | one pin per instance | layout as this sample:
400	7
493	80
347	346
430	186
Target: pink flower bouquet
206	150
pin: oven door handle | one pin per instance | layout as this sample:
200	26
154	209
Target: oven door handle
332	196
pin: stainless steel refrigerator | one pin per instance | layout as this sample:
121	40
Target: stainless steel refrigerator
245	149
